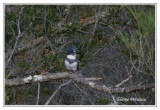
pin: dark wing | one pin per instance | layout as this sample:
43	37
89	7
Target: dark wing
78	64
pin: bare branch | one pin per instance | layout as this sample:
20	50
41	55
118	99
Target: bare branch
19	34
40	78
93	79
124	81
96	21
93	19
110	90
67	13
35	78
76	78
54	93
30	45
38	93
114	99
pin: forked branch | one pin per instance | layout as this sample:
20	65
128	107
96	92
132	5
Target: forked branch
75	77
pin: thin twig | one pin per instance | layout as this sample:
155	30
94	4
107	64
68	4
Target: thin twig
114	100
29	72
67	11
99	50
29	45
54	93
141	71
83	92
12	29
60	49
38	93
93	19
97	17
19	34
124	81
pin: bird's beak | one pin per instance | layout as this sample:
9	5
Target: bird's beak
74	52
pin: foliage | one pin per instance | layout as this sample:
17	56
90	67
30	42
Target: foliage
113	41
140	42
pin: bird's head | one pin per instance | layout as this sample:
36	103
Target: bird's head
72	50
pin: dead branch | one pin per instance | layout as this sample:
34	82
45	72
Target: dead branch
96	21
30	45
124	81
40	78
19	35
38	93
76	78
93	19
35	78
54	93
110	90
67	12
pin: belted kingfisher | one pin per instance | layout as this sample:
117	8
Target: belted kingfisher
71	62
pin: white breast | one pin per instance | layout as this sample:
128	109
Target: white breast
71	56
72	66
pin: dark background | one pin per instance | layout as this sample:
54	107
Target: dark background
114	41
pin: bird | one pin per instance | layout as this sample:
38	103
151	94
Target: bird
71	62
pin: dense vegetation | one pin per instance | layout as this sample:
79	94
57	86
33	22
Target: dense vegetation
113	41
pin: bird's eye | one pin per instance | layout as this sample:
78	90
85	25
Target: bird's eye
73	52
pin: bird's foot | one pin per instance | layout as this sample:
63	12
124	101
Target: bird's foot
70	72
